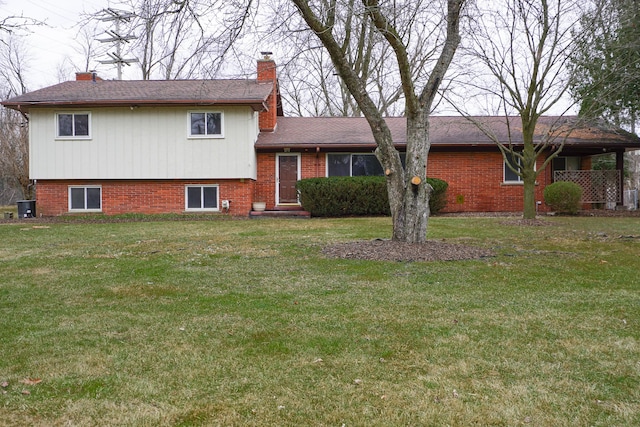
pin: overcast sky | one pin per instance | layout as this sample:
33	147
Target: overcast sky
49	45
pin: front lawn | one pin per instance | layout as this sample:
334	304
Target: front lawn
245	322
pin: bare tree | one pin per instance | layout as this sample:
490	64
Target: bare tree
17	23
524	47
14	151
88	50
14	136
402	27
310	84
13	66
184	39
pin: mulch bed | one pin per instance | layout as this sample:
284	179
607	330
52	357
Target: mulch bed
388	250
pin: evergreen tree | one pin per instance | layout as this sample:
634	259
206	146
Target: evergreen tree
606	67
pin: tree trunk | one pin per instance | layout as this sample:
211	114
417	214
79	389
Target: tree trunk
528	167
529	190
415	214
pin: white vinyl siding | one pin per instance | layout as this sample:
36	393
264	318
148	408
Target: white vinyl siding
144	143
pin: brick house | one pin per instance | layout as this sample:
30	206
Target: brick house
219	145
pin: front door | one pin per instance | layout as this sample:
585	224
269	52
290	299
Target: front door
287	178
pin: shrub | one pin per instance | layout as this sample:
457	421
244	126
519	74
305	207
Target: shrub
563	196
358	195
438	199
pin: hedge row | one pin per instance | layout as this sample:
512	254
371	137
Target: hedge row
357	196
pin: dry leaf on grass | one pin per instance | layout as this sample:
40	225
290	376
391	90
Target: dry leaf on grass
31	381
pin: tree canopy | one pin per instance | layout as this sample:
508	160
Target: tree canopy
606	64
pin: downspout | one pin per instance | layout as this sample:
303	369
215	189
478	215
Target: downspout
29	188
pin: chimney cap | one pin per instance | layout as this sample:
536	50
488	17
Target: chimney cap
266	55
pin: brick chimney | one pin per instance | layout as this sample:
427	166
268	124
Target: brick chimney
267	73
87	75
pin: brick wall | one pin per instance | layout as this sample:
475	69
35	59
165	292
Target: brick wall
142	196
476	182
265	188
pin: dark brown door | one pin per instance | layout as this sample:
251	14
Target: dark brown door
288	175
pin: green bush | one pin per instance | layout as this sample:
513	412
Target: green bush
356	196
438	199
563	196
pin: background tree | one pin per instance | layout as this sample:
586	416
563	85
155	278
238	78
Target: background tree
183	39
310	84
606	66
400	26
14	135
523	47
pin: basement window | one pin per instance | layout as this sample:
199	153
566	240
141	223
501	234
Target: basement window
73	125
201	198
205	124
85	199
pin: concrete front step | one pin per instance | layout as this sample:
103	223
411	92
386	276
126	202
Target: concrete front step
280	213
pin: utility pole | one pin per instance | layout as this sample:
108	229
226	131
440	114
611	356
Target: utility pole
116	57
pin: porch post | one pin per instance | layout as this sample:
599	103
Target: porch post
620	168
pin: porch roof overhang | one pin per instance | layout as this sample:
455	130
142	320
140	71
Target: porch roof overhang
447	133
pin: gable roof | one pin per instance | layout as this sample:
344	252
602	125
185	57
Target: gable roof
353	133
101	93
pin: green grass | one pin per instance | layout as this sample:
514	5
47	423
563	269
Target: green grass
237	322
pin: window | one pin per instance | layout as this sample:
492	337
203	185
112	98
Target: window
204	124
73	125
571	163
355	164
509	175
201	197
338	164
85	199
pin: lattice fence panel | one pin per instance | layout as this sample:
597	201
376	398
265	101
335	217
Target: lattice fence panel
597	186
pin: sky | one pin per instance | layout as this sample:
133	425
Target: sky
50	44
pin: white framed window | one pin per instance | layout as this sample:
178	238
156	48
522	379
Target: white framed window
73	125
206	124
509	175
85	199
201	198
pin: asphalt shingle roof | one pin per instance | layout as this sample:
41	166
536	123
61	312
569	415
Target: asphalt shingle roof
354	132
146	92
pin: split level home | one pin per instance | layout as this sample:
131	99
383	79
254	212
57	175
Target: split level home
180	146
